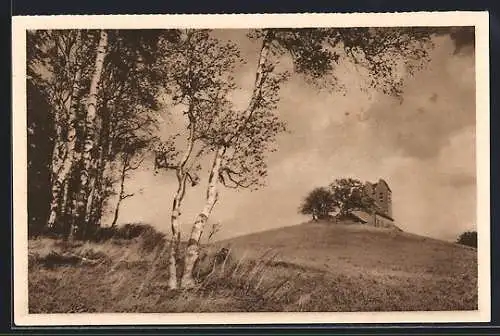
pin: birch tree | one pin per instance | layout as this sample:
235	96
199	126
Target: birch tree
199	79
131	159
90	133
102	89
56	68
128	109
239	144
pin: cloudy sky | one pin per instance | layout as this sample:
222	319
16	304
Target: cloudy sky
423	147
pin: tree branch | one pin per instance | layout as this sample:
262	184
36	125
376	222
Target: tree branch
194	181
137	127
124	196
238	183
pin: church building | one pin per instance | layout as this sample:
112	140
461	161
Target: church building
381	216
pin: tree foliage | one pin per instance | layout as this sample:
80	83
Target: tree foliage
344	195
319	203
468	238
386	55
349	195
199	80
59	68
40	144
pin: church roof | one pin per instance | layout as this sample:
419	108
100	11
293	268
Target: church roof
362	215
381	214
387	185
374	185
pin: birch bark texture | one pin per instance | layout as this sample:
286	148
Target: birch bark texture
73	70
228	135
91	126
62	171
200	76
182	176
192	249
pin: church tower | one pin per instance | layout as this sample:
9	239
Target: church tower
382	195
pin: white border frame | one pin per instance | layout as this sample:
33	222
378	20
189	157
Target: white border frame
20	261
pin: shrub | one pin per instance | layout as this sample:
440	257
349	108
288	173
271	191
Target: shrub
131	231
104	234
126	232
149	237
468	238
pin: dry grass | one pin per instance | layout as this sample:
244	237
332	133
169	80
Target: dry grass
310	267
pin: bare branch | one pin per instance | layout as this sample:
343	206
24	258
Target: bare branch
124	196
194	181
238	183
214	230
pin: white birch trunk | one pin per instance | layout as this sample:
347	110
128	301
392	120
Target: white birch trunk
59	151
90	199
175	227
192	250
94	197
259	81
176	211
259	73
62	168
103	168
90	125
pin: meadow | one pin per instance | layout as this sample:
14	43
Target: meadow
315	267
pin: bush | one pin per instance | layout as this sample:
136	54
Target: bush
468	238
126	232
149	238
104	234
131	231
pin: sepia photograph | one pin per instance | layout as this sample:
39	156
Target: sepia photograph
287	168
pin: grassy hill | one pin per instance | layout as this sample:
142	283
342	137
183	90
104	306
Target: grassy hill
308	267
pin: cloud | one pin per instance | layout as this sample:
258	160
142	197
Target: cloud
438	102
424	148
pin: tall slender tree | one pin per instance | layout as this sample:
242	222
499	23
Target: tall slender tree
240	142
101	88
199	79
127	114
56	68
91	130
131	158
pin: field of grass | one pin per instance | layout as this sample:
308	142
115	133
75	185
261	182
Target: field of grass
308	267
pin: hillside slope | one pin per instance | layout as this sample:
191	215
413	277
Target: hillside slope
308	267
376	269
351	249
